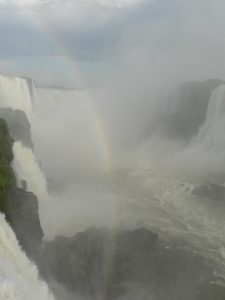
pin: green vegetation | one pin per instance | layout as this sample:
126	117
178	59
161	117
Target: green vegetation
6	172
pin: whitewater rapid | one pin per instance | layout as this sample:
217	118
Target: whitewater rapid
168	203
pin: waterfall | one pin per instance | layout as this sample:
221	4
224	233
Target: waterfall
28	169
211	136
19	93
19	279
205	153
16	93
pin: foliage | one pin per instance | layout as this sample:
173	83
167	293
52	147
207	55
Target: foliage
6	172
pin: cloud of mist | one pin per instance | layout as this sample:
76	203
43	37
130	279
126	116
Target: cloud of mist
142	114
70	146
89	140
174	40
151	57
154	56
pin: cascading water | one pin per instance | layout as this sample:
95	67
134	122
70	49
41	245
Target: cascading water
161	196
210	137
186	185
16	93
166	201
204	154
28	169
19	279
19	93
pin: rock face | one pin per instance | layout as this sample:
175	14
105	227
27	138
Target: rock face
6	172
19	206
107	264
102	264
187	109
18	124
213	191
24	219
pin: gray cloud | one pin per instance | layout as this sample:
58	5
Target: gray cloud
151	37
85	29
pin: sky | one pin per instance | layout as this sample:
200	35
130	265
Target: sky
76	41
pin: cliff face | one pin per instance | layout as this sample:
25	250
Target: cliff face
6	172
186	109
18	125
19	206
101	263
24	219
126	264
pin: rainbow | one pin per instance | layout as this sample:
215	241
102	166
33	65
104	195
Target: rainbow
102	134
102	137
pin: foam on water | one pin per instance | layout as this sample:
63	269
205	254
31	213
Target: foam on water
19	279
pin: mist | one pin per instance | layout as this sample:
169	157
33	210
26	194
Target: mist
128	147
133	113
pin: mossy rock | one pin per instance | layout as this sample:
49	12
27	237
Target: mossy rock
6	172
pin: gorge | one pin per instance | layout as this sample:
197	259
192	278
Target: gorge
150	227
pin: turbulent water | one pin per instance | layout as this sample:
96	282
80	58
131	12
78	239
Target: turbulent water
19	279
28	169
180	169
210	138
16	93
172	182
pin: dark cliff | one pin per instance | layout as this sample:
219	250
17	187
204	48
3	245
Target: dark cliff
19	206
6	172
186	109
24	219
107	264
18	125
125	264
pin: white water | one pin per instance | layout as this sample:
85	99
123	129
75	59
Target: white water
166	205
20	93
66	128
28	169
211	136
16	93
165	202
170	207
19	279
62	122
205	154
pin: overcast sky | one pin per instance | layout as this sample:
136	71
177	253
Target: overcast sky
59	40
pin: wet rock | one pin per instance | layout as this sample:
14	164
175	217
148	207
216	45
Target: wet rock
24	219
105	264
211	191
18	124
